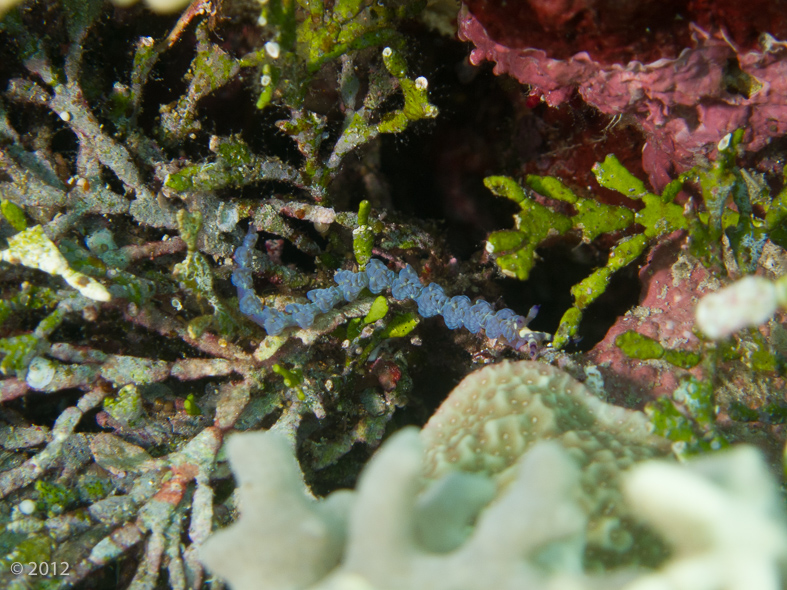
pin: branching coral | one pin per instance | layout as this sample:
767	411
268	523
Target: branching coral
386	523
746	303
273	497
720	516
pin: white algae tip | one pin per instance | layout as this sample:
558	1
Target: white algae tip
40	373
27	507
272	49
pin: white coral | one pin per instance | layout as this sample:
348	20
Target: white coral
722	516
748	302
285	540
416	522
385	552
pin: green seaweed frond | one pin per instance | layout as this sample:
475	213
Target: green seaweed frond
725	210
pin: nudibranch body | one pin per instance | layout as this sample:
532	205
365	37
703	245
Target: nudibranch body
457	311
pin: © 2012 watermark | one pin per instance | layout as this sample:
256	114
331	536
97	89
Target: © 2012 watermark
41	568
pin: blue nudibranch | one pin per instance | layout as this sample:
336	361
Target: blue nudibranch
457	311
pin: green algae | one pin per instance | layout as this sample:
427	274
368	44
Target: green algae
400	325
305	37
196	276
378	310
92	487
515	250
191	406
638	346
29	297
688	418
363	236
416	96
354	328
54	499
727	194
291	377
37	548
234	165
13	214
125	406
20	350
211	69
